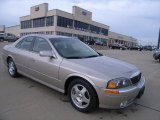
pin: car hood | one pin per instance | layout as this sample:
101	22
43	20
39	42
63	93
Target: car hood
104	67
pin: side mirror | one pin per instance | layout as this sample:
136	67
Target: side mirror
47	54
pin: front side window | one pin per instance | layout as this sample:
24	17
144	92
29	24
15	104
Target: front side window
72	48
41	44
26	43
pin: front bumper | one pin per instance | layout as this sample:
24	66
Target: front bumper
125	97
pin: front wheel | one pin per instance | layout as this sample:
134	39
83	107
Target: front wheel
12	70
82	96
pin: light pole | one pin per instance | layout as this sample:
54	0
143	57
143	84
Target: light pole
158	40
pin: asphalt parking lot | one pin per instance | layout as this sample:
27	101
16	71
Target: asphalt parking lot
23	99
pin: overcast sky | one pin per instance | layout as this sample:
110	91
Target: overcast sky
137	18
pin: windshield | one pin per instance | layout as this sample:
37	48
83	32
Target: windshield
72	48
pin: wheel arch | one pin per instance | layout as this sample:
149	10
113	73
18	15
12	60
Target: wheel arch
9	56
86	79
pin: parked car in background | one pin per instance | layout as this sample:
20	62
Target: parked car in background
127	47
117	46
136	47
148	47
90	42
98	42
1	37
8	37
154	47
68	65
156	55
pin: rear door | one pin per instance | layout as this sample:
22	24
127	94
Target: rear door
21	53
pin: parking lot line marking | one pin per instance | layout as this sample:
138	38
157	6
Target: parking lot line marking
147	107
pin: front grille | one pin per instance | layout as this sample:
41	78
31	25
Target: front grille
136	78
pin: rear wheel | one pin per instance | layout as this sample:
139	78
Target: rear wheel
12	70
82	96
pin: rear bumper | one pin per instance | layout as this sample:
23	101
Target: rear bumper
124	98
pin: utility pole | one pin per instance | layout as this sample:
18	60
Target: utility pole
158	40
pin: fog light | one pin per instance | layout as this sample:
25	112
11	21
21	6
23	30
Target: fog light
123	104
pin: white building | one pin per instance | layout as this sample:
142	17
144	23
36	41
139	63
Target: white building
79	24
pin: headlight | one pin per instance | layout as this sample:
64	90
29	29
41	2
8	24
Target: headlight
118	83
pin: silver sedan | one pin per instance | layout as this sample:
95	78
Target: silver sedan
66	64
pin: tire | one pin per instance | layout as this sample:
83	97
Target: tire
12	70
82	96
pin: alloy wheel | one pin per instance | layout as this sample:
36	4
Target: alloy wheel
11	68
80	96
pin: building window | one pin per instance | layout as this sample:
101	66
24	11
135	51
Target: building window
49	32
64	34
94	29
50	21
40	22
81	26
64	22
26	24
104	31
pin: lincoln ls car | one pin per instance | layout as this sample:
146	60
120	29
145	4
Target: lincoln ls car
66	64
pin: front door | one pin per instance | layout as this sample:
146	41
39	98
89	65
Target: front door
43	68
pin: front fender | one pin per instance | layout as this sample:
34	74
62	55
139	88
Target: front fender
77	75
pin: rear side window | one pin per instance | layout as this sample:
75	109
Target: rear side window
26	43
41	44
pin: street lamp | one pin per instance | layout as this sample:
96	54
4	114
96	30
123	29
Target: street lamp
158	40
